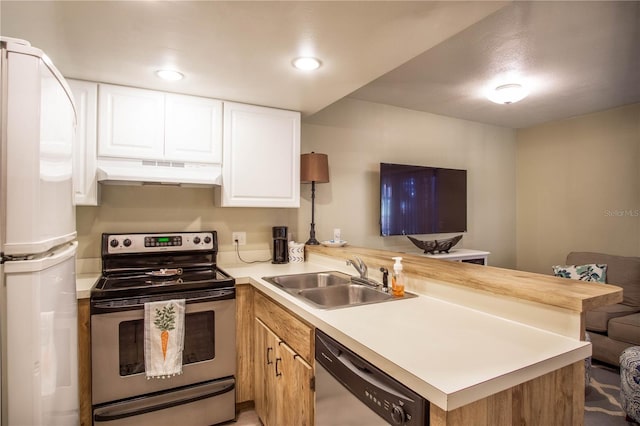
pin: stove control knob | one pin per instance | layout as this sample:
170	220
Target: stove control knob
207	239
127	242
196	240
397	415
113	243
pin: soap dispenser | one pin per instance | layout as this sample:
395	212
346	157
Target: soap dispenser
397	281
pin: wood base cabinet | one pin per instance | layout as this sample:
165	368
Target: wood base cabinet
84	362
283	381
283	375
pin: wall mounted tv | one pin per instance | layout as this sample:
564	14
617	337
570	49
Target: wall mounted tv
422	200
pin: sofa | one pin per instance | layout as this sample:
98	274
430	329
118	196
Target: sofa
613	328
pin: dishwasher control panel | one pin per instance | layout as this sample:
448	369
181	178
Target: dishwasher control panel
392	401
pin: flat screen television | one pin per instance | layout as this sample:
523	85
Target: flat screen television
422	200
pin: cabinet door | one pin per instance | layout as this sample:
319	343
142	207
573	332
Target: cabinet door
266	396
295	402
131	123
85	184
261	157
193	129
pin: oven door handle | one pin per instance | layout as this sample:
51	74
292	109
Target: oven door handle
104	307
165	400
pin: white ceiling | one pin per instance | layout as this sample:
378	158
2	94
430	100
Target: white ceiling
437	57
577	57
236	50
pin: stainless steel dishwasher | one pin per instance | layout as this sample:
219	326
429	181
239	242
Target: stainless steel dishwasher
351	391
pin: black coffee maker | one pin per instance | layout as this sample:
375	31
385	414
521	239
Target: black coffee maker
280	248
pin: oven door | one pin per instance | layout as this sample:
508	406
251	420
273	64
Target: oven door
117	349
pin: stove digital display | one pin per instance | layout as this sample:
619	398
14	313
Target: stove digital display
162	241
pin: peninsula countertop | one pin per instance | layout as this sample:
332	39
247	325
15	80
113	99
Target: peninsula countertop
450	354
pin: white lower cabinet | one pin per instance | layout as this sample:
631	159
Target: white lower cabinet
261	157
85	184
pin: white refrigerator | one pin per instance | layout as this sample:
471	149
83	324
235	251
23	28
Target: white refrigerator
38	303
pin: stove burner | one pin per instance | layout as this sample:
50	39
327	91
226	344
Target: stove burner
164	272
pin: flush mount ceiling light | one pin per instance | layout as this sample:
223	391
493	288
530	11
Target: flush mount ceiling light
508	93
306	63
169	75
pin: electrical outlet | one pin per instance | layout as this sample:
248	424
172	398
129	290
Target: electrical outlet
241	237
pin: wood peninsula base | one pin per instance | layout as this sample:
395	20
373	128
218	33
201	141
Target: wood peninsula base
556	398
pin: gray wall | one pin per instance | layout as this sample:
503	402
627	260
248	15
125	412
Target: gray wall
358	135
578	188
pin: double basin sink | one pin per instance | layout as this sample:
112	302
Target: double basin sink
329	290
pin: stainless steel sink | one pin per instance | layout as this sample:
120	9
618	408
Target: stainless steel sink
343	295
312	280
330	290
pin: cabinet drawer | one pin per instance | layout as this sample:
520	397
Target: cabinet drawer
294	332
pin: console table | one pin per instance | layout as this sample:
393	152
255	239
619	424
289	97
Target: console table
478	257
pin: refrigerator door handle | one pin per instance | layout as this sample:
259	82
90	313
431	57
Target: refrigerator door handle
41	263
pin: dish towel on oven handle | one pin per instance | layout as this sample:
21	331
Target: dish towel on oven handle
163	338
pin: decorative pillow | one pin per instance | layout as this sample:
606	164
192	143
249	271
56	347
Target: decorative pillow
596	272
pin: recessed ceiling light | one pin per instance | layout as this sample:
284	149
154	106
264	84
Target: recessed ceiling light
306	63
508	93
169	75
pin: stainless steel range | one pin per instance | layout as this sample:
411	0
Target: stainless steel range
141	268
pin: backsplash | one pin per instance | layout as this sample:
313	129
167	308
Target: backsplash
160	209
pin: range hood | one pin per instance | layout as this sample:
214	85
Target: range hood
124	171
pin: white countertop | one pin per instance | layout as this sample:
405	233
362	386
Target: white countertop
450	354
84	282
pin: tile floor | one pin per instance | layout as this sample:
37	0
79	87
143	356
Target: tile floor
247	417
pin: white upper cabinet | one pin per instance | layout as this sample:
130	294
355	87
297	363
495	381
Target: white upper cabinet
193	129
131	123
127	134
261	164
85	184
150	125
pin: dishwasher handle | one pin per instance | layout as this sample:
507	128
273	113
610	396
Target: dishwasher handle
379	391
353	363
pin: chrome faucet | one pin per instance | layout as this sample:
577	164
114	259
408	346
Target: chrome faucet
360	267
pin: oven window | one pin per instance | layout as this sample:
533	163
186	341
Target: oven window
199	342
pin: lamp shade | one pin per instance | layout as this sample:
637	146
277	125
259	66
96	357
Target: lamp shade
314	168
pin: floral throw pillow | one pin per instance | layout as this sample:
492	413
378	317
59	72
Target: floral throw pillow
596	272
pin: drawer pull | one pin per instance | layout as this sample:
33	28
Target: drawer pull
278	373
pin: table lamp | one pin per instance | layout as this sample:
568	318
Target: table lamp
313	168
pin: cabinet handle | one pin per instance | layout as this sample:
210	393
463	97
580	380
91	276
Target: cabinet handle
277	372
269	362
